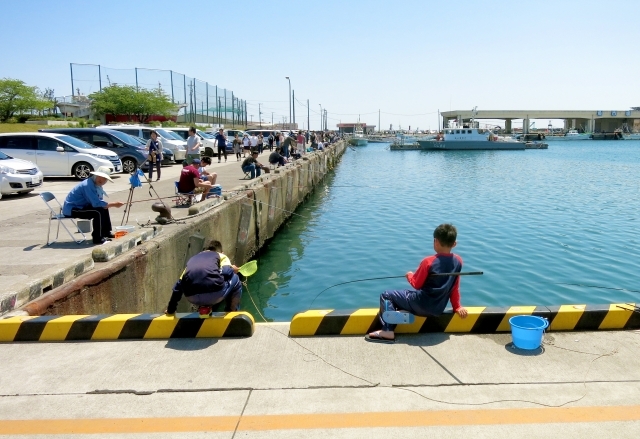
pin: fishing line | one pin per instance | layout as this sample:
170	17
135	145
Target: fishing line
597	286
584	383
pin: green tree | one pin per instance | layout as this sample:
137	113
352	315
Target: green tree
17	97
127	100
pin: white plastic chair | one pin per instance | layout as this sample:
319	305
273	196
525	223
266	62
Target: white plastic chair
58	216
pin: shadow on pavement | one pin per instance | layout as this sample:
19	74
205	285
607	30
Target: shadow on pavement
188	344
510	347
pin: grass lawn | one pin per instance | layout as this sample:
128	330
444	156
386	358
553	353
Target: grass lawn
20	127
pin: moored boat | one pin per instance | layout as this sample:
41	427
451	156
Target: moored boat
571	135
358	139
461	139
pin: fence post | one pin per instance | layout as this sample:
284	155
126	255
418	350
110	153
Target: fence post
172	99
72	92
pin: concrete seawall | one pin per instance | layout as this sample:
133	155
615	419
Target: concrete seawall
140	281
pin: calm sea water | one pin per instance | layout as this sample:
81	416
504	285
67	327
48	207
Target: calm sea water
530	220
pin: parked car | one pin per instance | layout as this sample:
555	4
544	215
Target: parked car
17	175
58	154
129	150
178	147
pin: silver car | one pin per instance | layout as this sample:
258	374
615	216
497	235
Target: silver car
18	176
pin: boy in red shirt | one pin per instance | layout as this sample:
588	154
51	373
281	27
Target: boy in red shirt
431	293
190	179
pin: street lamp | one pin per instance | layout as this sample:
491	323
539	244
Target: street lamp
289	100
321	128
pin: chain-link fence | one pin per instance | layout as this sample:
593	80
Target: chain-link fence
197	101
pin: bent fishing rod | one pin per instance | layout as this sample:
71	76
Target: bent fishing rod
468	273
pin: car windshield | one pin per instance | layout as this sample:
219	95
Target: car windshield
205	135
3	156
75	142
169	135
126	138
139	140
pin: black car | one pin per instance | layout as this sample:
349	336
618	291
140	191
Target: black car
130	151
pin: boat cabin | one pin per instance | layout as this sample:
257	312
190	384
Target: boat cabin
466	134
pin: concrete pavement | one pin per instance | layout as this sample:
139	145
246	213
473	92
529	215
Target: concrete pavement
24	221
270	385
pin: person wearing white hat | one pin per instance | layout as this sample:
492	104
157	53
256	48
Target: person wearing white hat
85	201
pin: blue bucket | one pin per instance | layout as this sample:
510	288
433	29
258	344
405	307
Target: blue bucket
527	331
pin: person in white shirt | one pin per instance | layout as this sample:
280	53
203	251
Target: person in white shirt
246	145
193	146
254	142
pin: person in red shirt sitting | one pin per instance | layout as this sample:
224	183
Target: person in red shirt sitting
431	293
190	179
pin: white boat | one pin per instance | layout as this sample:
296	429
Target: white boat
457	138
358	139
571	135
632	136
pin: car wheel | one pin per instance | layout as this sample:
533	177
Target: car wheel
81	170
129	165
208	152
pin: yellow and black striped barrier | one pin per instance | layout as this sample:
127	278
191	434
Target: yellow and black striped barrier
125	327
481	320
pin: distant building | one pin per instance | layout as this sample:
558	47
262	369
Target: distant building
350	128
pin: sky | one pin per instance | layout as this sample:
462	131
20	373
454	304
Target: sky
407	59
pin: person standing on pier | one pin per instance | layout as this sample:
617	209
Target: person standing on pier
154	147
270	141
193	146
432	293
302	147
237	147
221	141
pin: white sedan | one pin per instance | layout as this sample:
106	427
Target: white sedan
17	175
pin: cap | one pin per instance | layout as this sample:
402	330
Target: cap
196	161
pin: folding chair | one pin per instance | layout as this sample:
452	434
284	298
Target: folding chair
48	197
183	198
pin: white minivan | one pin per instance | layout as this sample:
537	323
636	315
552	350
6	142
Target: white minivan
58	154
207	140
169	140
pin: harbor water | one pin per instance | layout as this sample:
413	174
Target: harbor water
533	221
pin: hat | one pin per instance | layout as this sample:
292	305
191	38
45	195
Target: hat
196	161
103	171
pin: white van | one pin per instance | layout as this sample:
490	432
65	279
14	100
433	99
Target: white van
208	140
169	139
59	154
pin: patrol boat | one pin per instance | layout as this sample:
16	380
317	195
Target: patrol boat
457	138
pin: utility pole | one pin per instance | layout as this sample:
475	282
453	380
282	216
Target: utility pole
378	120
272	118
294	106
251	118
287	78
259	116
320	116
308	116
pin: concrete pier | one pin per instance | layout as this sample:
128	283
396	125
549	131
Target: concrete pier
67	278
579	385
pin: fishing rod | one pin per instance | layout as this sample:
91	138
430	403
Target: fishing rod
469	273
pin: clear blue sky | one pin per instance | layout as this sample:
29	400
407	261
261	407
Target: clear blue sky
406	58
